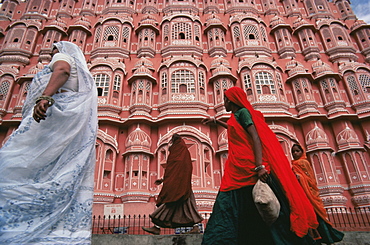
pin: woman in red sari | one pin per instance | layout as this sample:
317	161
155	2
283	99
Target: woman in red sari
255	153
306	177
176	202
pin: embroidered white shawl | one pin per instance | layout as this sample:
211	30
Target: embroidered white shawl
47	168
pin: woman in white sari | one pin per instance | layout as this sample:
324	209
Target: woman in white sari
47	165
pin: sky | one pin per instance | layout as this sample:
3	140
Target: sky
361	9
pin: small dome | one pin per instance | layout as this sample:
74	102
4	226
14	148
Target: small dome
222	140
299	22
219	61
317	135
213	19
221	70
357	24
148	19
138	138
143	70
59	23
83	21
275	21
144	62
347	136
35	69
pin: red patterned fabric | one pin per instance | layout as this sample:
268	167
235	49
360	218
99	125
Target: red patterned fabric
177	175
302	214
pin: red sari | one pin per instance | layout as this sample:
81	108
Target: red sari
302	215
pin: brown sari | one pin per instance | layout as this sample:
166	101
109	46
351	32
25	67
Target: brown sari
176	202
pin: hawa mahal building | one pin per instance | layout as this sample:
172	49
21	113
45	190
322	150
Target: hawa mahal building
161	66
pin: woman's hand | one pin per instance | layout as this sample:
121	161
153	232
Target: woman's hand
263	175
39	110
158	181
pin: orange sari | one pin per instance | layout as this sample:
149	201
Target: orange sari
306	177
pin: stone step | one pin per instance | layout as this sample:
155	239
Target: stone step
350	238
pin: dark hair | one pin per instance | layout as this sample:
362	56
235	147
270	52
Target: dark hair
299	146
175	137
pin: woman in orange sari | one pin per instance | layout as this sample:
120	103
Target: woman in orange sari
255	153
306	177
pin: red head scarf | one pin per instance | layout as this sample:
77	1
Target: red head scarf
302	215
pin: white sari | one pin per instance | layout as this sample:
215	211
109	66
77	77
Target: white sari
47	168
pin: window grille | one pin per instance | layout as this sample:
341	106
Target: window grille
236	31
264	79
4	89
247	81
117	83
352	85
250	29
365	82
102	82
182	78
181	31
111	33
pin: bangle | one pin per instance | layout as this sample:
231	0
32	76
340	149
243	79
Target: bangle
45	97
258	168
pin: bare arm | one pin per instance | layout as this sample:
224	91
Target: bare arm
60	75
215	121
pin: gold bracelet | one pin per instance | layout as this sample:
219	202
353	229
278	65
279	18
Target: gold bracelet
45	97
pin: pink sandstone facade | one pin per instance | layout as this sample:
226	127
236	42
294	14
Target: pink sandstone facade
162	65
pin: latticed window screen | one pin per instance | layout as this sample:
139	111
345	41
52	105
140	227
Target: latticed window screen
111	33
4	88
352	85
201	80
141	85
365	82
98	34
125	34
148	86
182	78
264	79
332	83
324	84
181	31
196	31
249	29
102	82
236	31
165	31
217	85
297	85
164	80
117	83
247	81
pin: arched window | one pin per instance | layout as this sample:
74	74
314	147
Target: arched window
102	83
4	89
111	33
264	83
182	78
164	83
365	82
